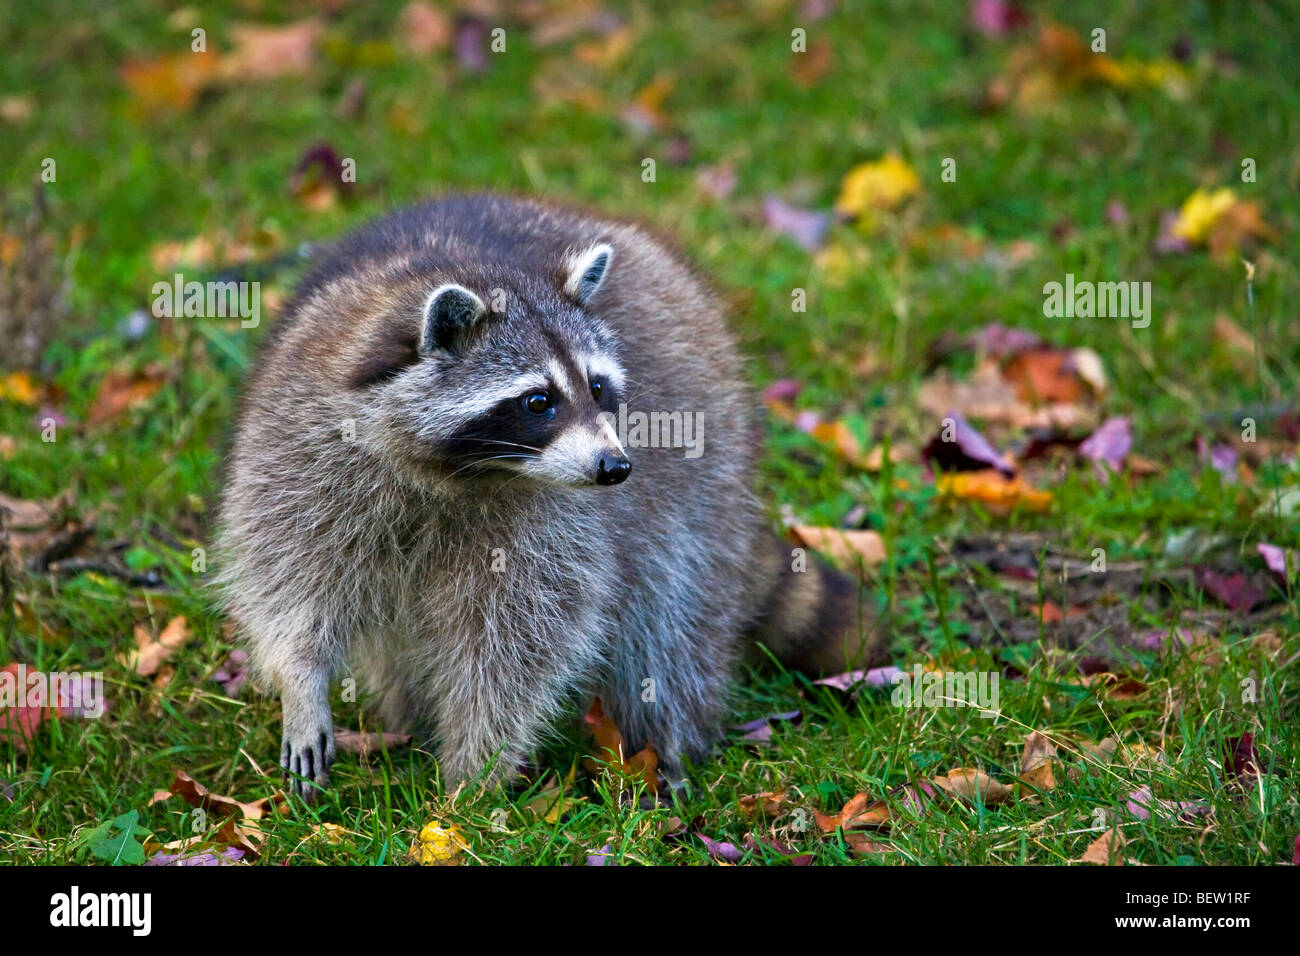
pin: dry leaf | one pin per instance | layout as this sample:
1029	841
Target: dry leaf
972	785
363	743
1038	761
994	490
767	804
609	739
1044	375
265	52
423	28
119	391
1106	850
171	82
845	546
150	654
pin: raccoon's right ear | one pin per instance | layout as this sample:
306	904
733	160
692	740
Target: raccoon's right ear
450	311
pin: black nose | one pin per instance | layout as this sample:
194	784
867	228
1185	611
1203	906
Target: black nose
612	470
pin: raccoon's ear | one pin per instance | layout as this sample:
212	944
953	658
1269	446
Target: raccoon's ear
587	271
450	311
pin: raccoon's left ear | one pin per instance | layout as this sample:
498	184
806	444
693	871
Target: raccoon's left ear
450	311
587	271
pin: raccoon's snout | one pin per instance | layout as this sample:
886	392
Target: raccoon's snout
612	471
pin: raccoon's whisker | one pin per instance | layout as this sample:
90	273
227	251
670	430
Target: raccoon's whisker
480	461
498	441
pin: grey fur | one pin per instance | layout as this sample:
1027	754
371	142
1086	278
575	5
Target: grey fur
379	553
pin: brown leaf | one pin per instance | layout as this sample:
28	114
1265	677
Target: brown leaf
198	796
265	52
972	785
842	545
149	654
31	527
860	811
1038	761
423	28
1106	850
357	742
769	804
609	739
119	391
1044	375
810	66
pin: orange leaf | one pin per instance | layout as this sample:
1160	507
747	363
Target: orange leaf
173	81
1044	375
843	545
993	489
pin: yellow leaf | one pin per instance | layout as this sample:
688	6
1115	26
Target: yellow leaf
18	387
438	845
883	184
1200	212
994	490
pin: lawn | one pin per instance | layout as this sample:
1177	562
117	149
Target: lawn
913	180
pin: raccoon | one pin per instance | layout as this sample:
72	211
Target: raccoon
437	485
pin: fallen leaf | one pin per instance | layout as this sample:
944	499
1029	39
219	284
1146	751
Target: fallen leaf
972	785
170	82
994	490
263	52
1044	375
1038	761
768	804
437	845
121	391
150	654
18	387
1235	591
423	28
845	546
721	851
364	743
960	447
609	741
1106	850
1110	443
883	184
804	226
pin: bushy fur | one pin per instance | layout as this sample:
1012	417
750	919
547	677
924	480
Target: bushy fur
478	604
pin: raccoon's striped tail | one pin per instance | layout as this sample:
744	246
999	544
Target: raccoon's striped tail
815	619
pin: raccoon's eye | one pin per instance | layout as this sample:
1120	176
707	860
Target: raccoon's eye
596	390
538	403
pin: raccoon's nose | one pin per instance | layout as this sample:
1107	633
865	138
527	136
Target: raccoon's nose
612	470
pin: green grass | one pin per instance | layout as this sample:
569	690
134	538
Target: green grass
900	82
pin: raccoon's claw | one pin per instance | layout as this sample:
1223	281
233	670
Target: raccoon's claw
306	763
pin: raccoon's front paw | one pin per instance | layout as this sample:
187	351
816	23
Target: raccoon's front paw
306	760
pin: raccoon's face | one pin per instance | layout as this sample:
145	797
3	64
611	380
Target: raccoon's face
531	389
